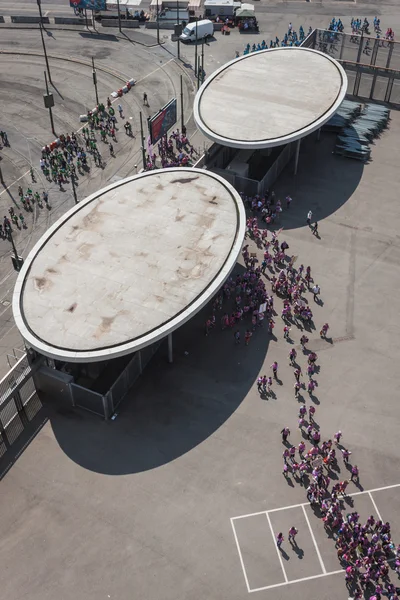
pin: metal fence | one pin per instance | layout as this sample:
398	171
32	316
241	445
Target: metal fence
19	401
372	65
89	400
125	381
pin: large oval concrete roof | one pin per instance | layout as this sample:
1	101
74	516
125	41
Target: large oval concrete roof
270	97
129	264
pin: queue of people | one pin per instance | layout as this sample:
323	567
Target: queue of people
246	304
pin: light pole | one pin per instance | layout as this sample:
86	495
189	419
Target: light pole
179	47
95	81
142	141
158	26
49	103
119	17
195	51
182	116
44	45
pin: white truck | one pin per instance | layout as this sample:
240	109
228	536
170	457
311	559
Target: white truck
204	30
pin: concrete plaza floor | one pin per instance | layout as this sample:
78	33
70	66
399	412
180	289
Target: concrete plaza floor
147	505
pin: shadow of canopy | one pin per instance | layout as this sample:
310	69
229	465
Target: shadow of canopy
172	408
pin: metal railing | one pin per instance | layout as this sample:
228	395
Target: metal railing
19	402
372	64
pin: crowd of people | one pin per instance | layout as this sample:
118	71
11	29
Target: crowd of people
173	151
290	38
366	551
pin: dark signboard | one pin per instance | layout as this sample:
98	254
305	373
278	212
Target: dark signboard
161	122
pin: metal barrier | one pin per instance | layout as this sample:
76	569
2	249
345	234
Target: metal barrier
372	65
89	400
125	381
19	402
30	20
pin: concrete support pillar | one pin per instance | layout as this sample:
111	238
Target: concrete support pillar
296	156
170	349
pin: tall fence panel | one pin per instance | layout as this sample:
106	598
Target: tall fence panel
89	400
372	65
19	401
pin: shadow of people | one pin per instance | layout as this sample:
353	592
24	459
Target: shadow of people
314	399
323	184
284	554
297	550
289	481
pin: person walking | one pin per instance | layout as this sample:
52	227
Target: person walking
292	535
145	100
279	539
247	337
285	433
316	291
355	474
274	368
120	110
314	228
309	217
292	356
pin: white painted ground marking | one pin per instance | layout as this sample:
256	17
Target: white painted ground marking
375	506
321	562
277	549
14	182
301	505
155	71
240	556
386	487
276	585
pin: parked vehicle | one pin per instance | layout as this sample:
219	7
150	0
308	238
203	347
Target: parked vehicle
204	28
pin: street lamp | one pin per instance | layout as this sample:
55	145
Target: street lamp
95	81
41	33
49	103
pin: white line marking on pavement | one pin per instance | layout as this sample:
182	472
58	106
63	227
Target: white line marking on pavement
321	562
155	71
276	585
277	549
14	182
380	489
240	556
375	506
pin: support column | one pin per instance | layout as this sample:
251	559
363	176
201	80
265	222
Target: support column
170	349
296	156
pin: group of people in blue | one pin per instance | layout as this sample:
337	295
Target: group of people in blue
336	25
291	38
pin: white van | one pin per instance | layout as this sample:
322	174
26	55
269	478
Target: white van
205	29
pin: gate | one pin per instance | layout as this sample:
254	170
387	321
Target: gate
19	401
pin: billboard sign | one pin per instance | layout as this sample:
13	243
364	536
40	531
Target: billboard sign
88	4
161	122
